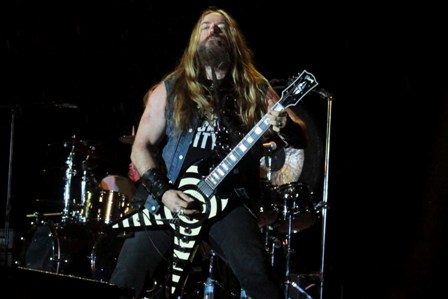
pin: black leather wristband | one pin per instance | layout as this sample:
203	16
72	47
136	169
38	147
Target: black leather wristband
156	183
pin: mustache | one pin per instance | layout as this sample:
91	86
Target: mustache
214	37
214	41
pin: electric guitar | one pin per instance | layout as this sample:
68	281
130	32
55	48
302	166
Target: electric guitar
204	188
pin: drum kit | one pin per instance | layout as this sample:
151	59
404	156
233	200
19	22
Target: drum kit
70	234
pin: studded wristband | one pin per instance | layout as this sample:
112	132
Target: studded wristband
156	183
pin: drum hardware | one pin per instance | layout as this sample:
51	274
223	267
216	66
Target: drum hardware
70	172
288	281
88	187
38	215
44	204
271	243
209	284
320	205
301	290
74	200
295	201
266	215
95	150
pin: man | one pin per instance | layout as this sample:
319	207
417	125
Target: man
195	116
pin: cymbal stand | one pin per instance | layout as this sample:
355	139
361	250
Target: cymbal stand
211	282
86	184
288	282
69	173
84	193
271	243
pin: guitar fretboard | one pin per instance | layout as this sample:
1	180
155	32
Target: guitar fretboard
228	163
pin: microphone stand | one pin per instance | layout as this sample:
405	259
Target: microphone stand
8	192
324	204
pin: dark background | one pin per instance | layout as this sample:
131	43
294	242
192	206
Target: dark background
385	66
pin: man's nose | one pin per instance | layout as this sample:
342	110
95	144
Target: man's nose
215	29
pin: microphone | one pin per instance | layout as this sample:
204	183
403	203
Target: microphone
270	146
65	105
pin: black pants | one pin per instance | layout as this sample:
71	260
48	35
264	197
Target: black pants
235	237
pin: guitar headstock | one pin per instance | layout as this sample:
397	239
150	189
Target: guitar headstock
297	89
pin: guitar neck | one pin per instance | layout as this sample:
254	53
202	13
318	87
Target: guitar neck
229	162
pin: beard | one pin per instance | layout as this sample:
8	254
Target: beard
215	53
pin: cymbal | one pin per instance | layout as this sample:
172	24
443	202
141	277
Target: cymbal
91	148
127	139
96	151
76	143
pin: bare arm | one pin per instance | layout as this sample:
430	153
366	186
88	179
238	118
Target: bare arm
150	132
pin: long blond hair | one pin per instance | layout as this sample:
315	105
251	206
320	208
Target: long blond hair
250	86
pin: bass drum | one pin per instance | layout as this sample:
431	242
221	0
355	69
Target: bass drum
62	248
104	255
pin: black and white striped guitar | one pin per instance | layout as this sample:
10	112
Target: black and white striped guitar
204	188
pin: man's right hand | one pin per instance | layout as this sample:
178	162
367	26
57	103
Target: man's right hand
179	202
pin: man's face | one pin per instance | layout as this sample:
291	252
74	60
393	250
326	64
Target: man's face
213	44
213	27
